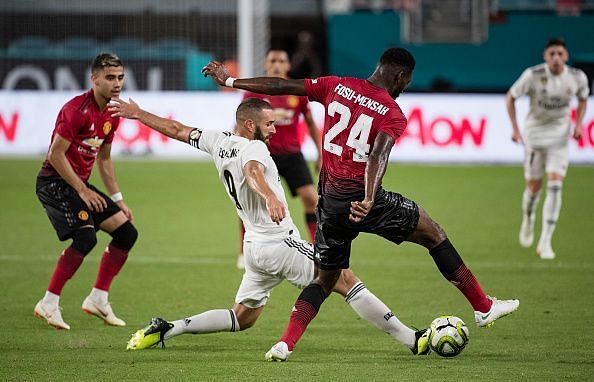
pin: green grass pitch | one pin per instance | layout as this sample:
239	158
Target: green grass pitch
184	263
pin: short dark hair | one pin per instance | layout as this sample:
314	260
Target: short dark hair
555	41
250	107
105	59
398	57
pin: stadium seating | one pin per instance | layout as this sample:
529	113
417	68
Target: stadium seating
84	48
30	47
127	47
80	47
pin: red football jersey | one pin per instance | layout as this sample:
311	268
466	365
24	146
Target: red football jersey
287	109
82	123
356	111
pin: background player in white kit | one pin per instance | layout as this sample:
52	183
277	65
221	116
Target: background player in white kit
273	249
550	86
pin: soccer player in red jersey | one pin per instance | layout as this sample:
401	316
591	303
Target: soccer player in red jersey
83	134
362	123
284	146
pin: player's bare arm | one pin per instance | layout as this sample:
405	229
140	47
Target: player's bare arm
580	112
314	133
510	103
57	158
107	172
254	173
374	173
169	127
262	85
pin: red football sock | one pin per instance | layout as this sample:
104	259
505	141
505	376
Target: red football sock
469	286
68	263
310	220
112	261
303	313
305	309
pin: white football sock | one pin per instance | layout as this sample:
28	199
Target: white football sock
373	310
99	295
51	298
550	210
212	321
529	203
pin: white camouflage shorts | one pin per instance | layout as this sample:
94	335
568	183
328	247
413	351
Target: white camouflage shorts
269	263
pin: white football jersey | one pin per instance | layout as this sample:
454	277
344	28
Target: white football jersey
230	154
548	120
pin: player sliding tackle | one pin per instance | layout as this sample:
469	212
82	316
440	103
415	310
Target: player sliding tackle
362	123
272	246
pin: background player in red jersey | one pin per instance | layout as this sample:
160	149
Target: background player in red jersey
284	146
361	126
83	134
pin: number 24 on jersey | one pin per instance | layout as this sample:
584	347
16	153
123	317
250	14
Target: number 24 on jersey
358	135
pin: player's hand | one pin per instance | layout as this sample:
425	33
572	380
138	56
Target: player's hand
126	210
359	210
217	71
276	209
93	200
517	137
120	108
577	133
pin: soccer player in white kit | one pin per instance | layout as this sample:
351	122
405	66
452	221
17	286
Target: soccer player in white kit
550	86
273	249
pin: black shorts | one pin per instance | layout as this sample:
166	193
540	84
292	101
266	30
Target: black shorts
293	168
392	217
66	210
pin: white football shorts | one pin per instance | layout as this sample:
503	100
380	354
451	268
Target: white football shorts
537	161
269	263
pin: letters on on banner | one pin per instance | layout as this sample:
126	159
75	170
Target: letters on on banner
450	128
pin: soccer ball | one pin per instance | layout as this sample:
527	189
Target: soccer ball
449	336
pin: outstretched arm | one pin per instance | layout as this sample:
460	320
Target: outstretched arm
374	173
262	85
254	173
172	129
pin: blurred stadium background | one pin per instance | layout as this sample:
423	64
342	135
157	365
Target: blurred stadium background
461	46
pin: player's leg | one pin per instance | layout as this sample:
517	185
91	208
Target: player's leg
534	166
331	256
71	220
430	235
83	241
556	168
374	311
304	311
113	221
252	295
241	317
158	330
